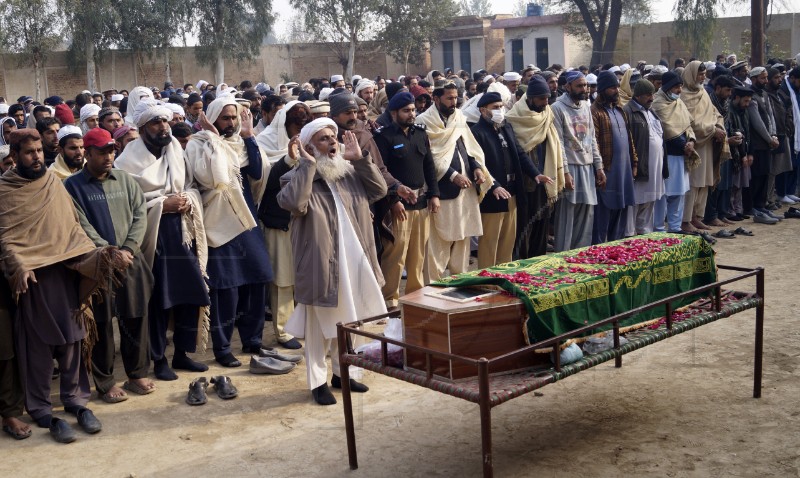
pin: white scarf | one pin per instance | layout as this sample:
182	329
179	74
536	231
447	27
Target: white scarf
795	113
444	138
160	178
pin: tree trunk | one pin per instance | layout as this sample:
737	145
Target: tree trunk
37	68
405	65
91	81
219	68
351	58
168	69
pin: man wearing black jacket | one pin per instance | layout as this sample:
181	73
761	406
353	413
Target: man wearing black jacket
406	153
506	161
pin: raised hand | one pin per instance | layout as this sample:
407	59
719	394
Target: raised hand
352	150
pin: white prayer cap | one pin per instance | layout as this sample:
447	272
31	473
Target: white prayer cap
355	78
363	85
200	84
68	130
215	107
175	108
710	65
401	78
732	55
533	67
591	79
757	71
614	69
149	109
319	107
324	93
312	128
292	84
624	67
336	78
659	69
86	92
3	109
89	110
512	76
117	97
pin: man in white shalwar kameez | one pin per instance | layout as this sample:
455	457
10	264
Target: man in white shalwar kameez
337	273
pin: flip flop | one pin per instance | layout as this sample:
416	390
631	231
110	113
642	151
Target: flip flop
15	434
224	387
724	234
109	399
707	237
137	389
197	392
743	232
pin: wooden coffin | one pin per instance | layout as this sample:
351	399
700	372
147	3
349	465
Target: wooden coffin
487	328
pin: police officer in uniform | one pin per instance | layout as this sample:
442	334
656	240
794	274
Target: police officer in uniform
405	150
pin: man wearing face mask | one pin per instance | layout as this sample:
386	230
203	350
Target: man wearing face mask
583	166
459	162
532	120
238	265
648	139
506	161
619	161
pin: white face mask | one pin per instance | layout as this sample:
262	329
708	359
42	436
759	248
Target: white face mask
498	116
673	96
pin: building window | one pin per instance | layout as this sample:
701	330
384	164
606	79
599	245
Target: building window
516	55
466	56
447	53
542	57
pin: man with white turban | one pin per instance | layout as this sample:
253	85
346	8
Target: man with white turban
238	265
175	239
134	97
89	117
274	143
337	274
365	90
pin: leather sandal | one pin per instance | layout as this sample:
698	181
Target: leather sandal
724	234
197	392
224	387
743	232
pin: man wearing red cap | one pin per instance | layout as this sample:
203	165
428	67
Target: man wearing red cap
113	212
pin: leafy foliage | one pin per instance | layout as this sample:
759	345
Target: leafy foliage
412	25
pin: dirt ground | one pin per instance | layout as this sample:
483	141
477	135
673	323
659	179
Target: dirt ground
682	407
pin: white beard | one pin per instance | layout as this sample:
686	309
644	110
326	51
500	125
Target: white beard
332	169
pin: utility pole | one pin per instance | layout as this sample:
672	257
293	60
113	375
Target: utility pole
757	29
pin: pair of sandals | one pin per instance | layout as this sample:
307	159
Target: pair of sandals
726	234
222	385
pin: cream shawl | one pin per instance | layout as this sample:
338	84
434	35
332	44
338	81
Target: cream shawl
625	91
60	168
215	162
274	145
674	116
160	178
533	128
443	139
705	116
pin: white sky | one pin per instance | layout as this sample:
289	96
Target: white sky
662	10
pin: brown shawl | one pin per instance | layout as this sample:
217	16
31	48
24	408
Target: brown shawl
39	227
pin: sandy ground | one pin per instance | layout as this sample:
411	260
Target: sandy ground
682	407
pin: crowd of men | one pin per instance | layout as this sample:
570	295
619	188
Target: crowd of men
200	207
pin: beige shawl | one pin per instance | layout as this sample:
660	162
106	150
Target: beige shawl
443	140
674	116
378	104
60	168
274	145
625	91
531	129
705	116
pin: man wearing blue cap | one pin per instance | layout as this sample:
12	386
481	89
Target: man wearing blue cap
583	166
406	152
506	161
614	141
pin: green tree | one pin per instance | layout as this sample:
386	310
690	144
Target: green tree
343	22
479	8
32	30
151	26
92	26
413	26
601	18
232	29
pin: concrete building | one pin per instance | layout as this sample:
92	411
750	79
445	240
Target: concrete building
470	44
541	41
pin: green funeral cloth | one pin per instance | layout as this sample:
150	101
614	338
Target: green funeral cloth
568	290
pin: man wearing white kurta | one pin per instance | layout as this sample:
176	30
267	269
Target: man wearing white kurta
337	273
